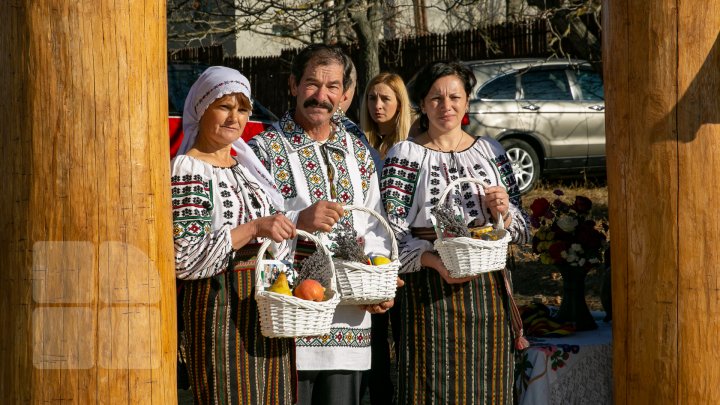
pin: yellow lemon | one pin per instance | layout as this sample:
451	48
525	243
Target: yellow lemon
380	260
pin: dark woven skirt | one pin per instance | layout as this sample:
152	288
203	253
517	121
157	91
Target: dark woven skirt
456	344
229	361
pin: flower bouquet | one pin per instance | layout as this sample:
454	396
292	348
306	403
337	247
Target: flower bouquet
568	237
566	233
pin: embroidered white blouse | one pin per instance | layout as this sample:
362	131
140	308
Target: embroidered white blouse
208	202
414	178
342	170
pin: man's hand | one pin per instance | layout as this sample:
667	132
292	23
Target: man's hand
320	216
380	308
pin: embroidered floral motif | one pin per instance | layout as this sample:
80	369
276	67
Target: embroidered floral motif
343	185
345	337
366	165
398	185
278	163
192	198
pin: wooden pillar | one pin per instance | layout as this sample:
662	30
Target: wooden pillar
662	76
87	305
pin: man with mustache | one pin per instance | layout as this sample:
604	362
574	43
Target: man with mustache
318	167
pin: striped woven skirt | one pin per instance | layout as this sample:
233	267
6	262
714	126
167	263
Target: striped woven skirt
229	361
456	345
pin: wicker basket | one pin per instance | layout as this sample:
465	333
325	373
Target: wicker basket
289	316
466	257
363	284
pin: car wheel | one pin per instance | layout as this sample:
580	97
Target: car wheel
525	163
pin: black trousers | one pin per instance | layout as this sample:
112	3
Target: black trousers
382	391
329	387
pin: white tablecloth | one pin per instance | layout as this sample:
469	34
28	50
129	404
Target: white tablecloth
575	369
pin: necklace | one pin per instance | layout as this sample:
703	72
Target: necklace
440	148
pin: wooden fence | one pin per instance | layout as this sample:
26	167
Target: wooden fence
403	56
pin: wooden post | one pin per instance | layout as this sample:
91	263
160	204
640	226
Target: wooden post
87	304
662	76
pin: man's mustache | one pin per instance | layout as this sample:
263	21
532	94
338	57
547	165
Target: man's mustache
315	103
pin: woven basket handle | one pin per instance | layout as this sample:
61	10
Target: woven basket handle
454	183
383	222
318	243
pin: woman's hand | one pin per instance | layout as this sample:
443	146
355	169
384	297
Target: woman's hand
429	259
498	201
276	227
320	216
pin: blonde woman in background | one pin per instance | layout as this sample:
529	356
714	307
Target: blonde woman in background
385	119
385	112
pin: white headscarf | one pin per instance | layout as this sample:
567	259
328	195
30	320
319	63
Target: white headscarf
213	83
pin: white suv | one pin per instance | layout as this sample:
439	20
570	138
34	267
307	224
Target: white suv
548	114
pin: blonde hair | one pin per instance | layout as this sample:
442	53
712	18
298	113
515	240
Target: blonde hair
401	118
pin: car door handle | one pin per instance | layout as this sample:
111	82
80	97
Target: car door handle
597	107
531	107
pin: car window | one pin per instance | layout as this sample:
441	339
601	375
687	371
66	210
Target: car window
591	85
180	79
545	84
182	76
501	88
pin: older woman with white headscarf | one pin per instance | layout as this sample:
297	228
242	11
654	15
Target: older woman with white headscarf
222	204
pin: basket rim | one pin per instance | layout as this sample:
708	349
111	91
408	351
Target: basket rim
259	288
299	302
394	252
342	263
466	240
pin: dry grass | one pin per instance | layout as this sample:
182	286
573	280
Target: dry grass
534	281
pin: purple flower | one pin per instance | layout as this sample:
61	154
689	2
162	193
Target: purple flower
582	204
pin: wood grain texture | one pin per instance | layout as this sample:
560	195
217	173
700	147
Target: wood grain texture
662	77
698	115
87	301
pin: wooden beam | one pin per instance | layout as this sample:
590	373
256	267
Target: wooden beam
661	70
87	303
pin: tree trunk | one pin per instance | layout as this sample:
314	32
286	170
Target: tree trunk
87	302
367	25
662	77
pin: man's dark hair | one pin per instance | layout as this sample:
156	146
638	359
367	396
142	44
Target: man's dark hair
421	83
322	55
350	74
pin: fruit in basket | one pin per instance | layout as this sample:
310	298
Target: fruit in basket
310	290
380	260
281	285
479	231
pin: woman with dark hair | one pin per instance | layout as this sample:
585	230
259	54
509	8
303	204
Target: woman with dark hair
456	344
